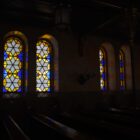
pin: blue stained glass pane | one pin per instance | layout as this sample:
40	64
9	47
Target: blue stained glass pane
4	90
49	60
103	89
103	76
5	55
49	57
121	76
20	73
48	75
19	90
122	88
4	71
103	62
20	56
121	65
49	90
4	74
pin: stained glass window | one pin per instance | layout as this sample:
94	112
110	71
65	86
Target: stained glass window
43	62
103	74
122	70
13	59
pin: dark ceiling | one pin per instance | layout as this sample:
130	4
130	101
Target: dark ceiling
113	18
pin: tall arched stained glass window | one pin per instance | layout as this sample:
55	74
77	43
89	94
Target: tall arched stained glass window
103	71
13	63
43	66
122	70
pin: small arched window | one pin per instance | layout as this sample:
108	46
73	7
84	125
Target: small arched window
15	63
43	66
122	70
103	69
125	71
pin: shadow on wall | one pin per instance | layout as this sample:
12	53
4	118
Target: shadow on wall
83	78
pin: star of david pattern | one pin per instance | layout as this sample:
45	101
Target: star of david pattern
43	66
12	72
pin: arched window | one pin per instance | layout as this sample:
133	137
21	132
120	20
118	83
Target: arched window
43	66
47	71
14	68
125	70
122	70
107	67
103	69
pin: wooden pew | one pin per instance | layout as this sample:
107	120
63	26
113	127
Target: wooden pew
102	125
64	130
3	133
37	128
114	116
14	130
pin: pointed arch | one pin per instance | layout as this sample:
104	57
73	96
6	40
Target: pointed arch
110	65
127	65
47	64
15	63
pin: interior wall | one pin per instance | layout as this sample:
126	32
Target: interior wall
78	74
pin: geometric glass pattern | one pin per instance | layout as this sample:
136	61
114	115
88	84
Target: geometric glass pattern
122	70
12	70
103	71
43	71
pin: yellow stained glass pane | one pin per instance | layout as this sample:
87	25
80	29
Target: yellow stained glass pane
12	65
42	66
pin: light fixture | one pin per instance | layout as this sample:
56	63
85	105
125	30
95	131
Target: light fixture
62	16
